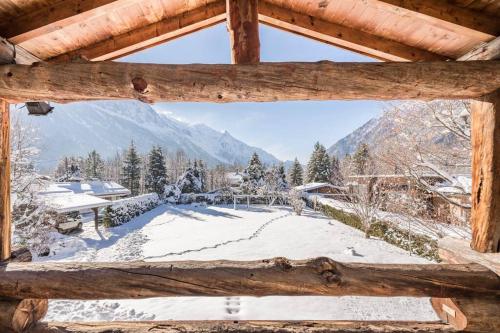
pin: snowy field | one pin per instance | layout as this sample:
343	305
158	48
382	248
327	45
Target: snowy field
170	233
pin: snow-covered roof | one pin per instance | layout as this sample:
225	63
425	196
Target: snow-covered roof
234	178
314	186
94	187
69	202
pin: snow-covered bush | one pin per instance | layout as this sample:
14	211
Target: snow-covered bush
171	193
124	210
296	202
34	226
190	181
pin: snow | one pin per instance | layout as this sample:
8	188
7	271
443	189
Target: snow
64	203
199	232
93	187
430	228
312	186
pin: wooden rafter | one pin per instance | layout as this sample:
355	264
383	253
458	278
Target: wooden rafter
243	28
280	277
56	16
249	83
448	12
150	35
245	327
341	36
483	51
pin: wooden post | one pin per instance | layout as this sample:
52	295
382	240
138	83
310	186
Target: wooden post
243	28
485	133
96	218
20	315
5	223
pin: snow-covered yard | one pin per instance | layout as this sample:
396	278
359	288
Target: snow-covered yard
206	233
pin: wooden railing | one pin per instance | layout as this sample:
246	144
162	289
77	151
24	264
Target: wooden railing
27	284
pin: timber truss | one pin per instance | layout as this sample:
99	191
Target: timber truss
433	49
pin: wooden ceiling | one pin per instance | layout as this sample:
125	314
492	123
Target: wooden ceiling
395	30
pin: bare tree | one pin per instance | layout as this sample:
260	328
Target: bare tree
431	139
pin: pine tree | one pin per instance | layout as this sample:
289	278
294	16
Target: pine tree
282	177
94	166
295	174
255	172
156	176
318	168
131	170
202	175
336	177
362	159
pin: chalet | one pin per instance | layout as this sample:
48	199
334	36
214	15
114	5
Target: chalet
62	51
324	189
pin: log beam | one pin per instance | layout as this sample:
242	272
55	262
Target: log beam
55	16
243	28
14	54
483	51
21	315
5	214
341	36
485	134
243	83
245	327
280	277
445	11
169	28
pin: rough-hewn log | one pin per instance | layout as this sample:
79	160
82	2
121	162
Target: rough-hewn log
446	11
20	315
245	327
5	222
153	34
10	54
341	36
458	251
484	51
321	276
249	83
469	314
243	28
485	133
54	17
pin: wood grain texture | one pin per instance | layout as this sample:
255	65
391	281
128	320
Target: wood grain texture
442	10
20	315
340	35
469	314
245	327
5	216
150	35
279	276
55	17
243	28
249	83
484	51
485	137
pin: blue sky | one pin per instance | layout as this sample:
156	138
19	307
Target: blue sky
285	129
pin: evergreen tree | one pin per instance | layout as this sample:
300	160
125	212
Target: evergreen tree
295	174
362	159
131	170
282	176
156	176
190	181
202	175
94	166
255	174
318	168
336	177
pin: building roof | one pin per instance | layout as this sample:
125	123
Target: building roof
95	187
383	29
69	202
314	186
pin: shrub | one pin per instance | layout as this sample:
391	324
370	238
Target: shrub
122	211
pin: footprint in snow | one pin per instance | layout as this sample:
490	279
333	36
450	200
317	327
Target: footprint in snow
232	306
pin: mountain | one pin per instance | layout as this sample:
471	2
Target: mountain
371	132
109	126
